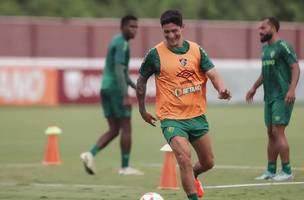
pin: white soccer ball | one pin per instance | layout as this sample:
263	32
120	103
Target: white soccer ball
151	196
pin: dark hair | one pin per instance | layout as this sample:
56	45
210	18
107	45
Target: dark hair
275	22
171	16
125	19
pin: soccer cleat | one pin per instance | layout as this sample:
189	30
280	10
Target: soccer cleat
88	162
265	176
282	176
199	188
129	171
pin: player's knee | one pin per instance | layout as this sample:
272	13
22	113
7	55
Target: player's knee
114	132
208	164
184	162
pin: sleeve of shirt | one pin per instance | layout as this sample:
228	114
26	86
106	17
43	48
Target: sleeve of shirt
150	64
288	53
120	52
206	63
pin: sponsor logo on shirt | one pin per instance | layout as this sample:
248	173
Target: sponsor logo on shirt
268	62
182	91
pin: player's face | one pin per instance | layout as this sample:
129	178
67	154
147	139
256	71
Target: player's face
130	29
172	34
266	31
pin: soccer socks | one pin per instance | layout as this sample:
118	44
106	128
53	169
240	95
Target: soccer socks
286	167
94	150
125	160
192	196
272	167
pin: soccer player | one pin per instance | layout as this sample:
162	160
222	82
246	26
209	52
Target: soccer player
280	75
115	99
181	70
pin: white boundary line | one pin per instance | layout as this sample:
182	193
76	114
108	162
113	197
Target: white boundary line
252	185
61	185
152	165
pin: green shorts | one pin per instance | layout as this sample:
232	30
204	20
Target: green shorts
277	112
191	129
112	104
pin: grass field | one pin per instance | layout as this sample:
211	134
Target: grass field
238	137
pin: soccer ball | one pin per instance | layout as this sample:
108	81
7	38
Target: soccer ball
151	196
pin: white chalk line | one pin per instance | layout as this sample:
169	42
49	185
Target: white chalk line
152	165
61	185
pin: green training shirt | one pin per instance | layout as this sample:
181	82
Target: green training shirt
151	63
118	53
276	71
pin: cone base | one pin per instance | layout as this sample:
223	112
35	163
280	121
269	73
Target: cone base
50	163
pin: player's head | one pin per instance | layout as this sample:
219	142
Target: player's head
128	26
172	25
269	27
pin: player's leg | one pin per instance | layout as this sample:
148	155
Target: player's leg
107	137
125	146
281	116
181	149
282	147
109	105
102	142
124	114
272	153
125	140
204	153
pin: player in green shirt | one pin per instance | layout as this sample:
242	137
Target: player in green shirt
115	99
280	75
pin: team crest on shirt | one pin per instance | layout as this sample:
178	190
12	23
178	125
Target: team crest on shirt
272	54
183	61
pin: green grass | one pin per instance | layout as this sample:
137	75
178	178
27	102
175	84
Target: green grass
238	137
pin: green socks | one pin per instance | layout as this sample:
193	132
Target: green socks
286	167
193	196
272	167
94	150
124	156
125	160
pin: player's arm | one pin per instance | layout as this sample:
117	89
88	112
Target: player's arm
122	83
252	90
121	78
130	82
218	84
208	68
290	57
141	88
295	74
146	70
120	73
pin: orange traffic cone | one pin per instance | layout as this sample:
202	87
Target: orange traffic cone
51	156
168	179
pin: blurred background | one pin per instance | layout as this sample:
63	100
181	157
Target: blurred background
53	51
52	55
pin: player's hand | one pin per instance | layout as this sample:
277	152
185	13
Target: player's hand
249	95
126	101
224	94
148	118
290	96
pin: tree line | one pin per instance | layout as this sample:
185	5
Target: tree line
249	10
